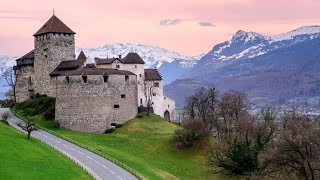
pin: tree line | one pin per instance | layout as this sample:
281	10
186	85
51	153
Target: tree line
274	143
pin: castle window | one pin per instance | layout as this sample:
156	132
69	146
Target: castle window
152	103
154	94
31	93
126	79
67	78
139	75
123	96
116	106
156	84
168	105
118	66
29	79
141	101
105	78
113	124
85	79
135	66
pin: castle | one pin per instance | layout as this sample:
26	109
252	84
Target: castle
90	97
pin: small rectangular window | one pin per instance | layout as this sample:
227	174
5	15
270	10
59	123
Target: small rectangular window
113	124
154	94
126	79
85	79
135	66
116	106
118	66
67	78
123	96
140	75
30	80
156	84
105	78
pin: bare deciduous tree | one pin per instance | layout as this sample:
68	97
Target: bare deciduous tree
9	76
203	105
29	126
297	147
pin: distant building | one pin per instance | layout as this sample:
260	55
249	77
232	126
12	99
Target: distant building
90	97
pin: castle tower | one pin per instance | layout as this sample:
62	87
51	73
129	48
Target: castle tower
54	42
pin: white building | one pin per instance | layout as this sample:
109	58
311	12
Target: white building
150	86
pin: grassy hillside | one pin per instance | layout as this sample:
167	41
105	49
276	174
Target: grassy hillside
30	159
142	144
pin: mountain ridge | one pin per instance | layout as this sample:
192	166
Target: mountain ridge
253	63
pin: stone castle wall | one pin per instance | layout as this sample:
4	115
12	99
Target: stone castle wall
50	50
25	83
91	107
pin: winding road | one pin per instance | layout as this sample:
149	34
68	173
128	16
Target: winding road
97	166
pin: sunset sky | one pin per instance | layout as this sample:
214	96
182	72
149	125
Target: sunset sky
190	27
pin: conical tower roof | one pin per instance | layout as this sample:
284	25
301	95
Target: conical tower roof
54	25
82	56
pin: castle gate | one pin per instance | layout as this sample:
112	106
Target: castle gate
167	115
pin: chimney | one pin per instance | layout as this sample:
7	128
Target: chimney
120	56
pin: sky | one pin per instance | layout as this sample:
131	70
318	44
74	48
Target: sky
189	27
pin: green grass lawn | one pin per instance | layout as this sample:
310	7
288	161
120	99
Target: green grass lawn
31	159
142	144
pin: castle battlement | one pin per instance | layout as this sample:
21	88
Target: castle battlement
90	97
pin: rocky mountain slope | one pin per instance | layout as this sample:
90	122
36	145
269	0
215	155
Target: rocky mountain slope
281	69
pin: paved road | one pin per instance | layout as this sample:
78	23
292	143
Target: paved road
97	166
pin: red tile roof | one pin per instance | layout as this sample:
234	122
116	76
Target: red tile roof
54	25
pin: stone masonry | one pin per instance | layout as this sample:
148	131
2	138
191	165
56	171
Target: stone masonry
90	97
93	106
50	50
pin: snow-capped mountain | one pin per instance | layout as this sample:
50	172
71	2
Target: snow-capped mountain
246	45
280	69
171	65
153	56
5	63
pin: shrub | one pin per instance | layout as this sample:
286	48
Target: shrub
241	154
192	133
49	113
113	124
5	117
139	116
37	95
111	130
56	124
41	105
119	125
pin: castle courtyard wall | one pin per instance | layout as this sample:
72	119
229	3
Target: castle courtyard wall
90	107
